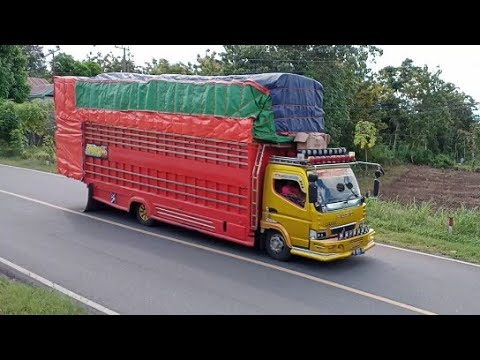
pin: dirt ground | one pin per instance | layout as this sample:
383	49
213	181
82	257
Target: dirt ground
444	188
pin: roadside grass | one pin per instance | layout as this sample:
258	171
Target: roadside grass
21	299
470	168
34	158
421	227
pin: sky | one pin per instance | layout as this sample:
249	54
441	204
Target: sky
460	64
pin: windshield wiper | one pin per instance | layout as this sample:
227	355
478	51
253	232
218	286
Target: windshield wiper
349	186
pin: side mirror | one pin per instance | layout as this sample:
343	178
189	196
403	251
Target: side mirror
379	172
376	187
312	178
312	193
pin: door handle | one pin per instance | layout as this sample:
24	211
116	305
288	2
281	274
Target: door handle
272	210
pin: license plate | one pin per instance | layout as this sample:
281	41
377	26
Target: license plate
358	252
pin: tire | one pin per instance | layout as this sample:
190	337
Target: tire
92	204
142	215
276	246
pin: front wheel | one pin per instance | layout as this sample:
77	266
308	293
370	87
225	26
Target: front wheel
276	246
142	215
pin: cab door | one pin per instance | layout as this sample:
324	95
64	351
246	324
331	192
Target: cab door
289	211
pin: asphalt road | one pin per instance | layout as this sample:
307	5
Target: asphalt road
131	272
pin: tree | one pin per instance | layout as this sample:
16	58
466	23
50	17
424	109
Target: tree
208	64
475	143
422	112
13	73
162	66
113	63
254	59
36	64
367	104
365	136
87	68
471	138
66	65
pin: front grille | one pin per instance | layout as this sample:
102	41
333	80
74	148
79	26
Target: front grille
340	229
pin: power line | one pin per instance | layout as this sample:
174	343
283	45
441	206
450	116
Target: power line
406	112
292	60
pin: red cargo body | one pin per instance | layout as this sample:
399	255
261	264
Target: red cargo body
210	185
204	184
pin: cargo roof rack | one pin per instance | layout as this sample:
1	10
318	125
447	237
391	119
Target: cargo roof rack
304	163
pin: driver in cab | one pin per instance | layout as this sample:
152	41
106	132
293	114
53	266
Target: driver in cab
291	190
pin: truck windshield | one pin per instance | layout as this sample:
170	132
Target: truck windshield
337	189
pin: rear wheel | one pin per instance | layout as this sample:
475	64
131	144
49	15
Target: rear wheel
276	246
142	215
92	204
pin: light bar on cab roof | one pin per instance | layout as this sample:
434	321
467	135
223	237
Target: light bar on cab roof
323	152
326	156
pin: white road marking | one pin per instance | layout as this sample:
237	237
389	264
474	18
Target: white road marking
51	284
430	255
238	257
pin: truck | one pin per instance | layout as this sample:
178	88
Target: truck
215	154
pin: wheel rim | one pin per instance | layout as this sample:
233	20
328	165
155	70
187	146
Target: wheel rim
142	211
277	244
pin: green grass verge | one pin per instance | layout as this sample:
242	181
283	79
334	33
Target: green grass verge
30	163
421	227
20	299
470	168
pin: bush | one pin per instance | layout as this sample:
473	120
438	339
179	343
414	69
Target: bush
442	161
49	146
26	124
17	144
33	117
382	154
417	156
9	120
42	155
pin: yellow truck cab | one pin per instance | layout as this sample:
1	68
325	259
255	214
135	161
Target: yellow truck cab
323	219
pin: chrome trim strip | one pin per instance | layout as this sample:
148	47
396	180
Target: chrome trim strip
208	222
191	222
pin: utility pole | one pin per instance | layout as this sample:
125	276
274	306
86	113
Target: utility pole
124	60
52	52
